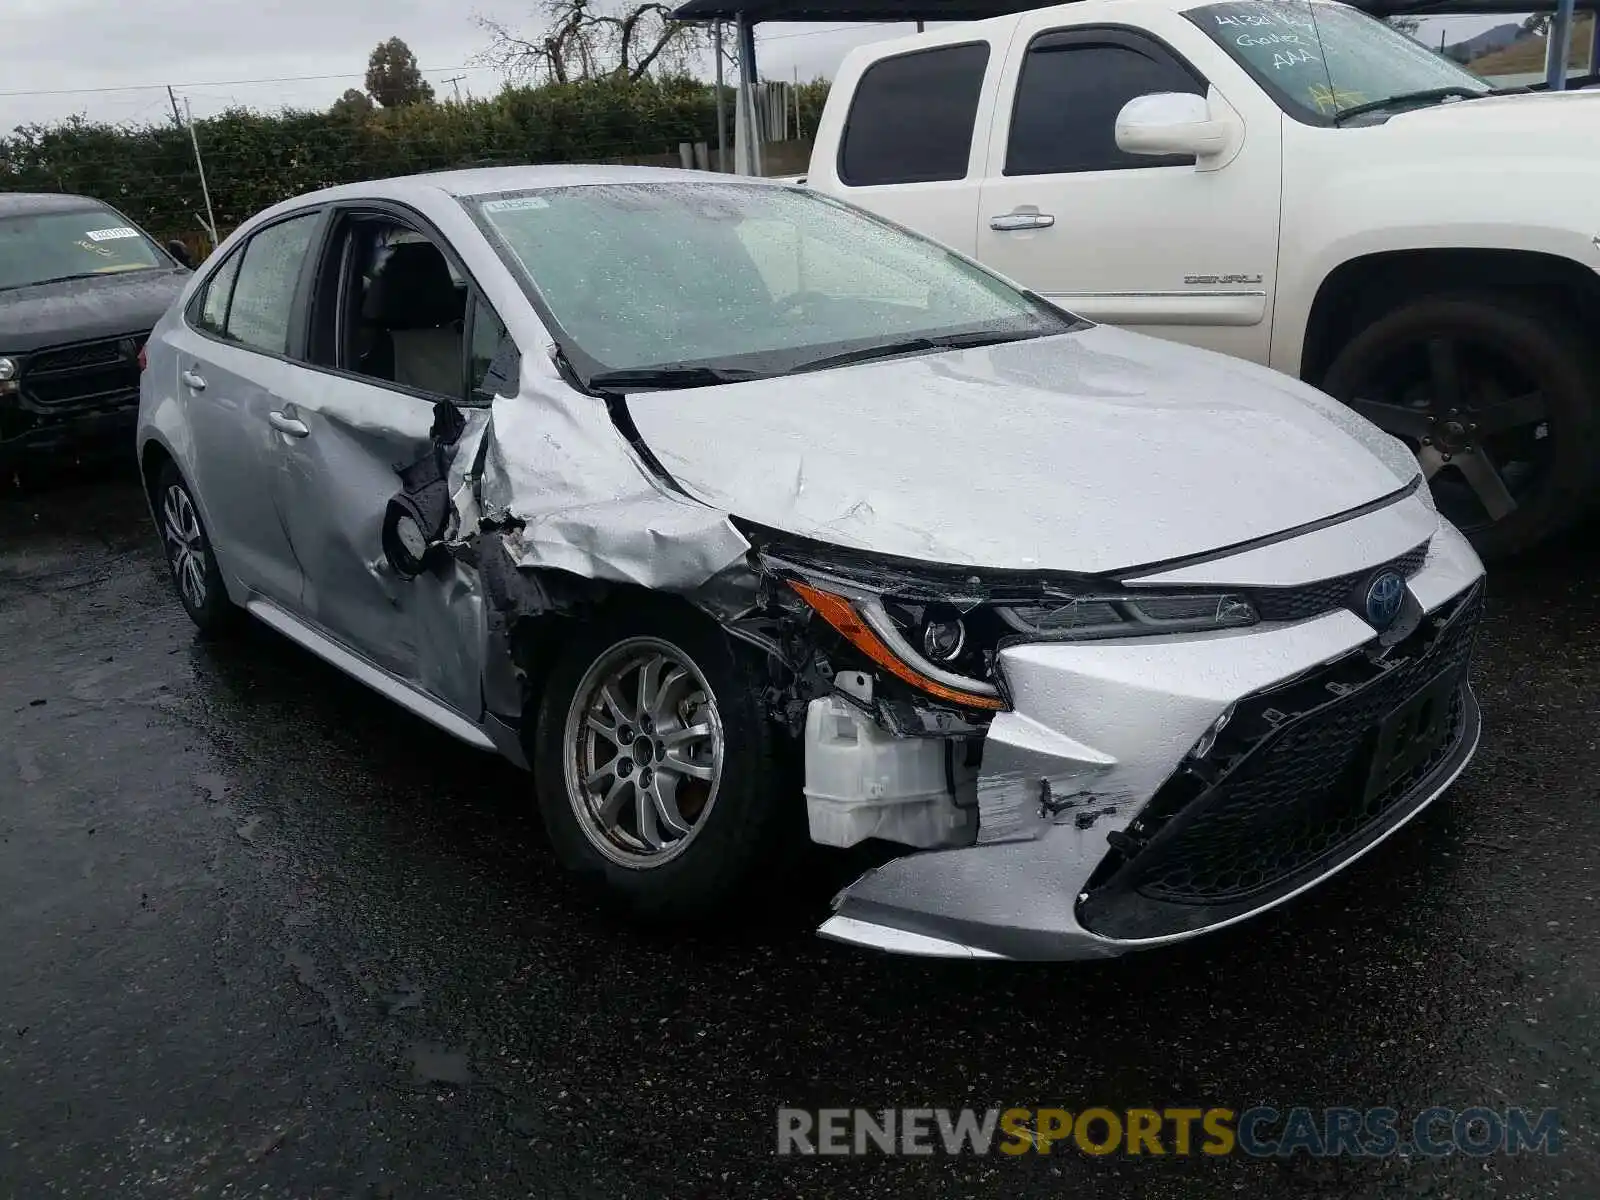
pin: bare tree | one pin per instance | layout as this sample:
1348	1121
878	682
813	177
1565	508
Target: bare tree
593	39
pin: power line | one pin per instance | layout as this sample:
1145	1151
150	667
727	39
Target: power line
139	87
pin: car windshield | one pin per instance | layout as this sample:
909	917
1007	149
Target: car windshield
1320	60
706	280
39	247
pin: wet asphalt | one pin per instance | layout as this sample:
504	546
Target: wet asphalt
263	934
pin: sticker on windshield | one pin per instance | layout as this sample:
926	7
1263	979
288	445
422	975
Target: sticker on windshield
516	205
111	235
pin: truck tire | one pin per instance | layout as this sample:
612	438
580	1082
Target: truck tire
1496	395
656	767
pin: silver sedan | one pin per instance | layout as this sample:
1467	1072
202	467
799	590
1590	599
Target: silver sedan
745	518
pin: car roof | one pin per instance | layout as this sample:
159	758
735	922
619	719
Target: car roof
15	204
480	181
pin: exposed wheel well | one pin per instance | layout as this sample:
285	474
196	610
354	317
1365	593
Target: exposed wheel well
152	458
1359	291
538	641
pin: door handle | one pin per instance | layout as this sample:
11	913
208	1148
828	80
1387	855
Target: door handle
1007	222
287	424
194	379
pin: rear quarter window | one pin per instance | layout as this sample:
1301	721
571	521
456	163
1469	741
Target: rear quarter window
911	119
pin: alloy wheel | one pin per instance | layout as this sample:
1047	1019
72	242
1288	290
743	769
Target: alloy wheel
186	547
644	749
1475	417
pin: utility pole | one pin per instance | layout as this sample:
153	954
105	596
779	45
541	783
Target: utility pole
200	166
455	81
171	95
722	104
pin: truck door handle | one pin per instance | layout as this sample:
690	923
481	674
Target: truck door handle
287	424
194	379
1007	222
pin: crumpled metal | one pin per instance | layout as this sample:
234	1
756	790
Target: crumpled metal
577	497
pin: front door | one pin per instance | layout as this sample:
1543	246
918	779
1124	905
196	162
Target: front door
391	338
1152	244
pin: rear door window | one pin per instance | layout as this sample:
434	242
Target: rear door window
912	117
264	291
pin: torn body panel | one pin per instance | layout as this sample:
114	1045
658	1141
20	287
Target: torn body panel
1054	811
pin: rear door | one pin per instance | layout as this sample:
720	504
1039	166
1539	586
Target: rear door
1149	243
909	148
234	361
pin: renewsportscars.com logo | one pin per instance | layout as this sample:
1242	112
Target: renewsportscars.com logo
1259	1132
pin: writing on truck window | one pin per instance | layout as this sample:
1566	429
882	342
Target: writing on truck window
1319	58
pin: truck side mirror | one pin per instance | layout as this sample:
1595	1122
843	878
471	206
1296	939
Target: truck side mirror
1174	123
180	252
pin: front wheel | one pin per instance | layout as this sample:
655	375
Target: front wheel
1496	396
655	766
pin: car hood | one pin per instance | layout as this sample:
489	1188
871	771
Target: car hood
79	310
1552	120
1087	452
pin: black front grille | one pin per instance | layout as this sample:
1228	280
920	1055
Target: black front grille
1309	600
1284	789
89	375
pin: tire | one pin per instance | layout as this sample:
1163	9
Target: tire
738	828
1446	372
190	562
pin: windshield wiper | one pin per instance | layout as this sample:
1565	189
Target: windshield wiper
53	279
1431	96
949	341
636	379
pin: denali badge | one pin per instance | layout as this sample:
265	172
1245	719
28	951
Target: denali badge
1195	279
1385	594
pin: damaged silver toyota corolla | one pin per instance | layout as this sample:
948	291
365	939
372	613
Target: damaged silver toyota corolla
740	514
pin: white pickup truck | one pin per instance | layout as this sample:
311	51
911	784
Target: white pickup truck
1287	181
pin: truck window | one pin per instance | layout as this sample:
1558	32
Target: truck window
1073	86
912	117
1318	59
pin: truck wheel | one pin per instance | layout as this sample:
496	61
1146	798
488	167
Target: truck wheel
1497	398
655	765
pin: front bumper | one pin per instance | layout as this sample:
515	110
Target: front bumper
1119	837
81	398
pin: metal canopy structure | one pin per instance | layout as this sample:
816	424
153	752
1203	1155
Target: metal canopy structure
760	11
747	14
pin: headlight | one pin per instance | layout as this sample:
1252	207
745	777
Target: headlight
943	638
865	624
8	374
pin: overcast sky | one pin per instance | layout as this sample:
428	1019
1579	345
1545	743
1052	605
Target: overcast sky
112	59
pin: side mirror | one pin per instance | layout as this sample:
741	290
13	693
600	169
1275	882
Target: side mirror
180	252
1174	123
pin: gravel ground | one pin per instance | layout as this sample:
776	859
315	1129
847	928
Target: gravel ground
262	933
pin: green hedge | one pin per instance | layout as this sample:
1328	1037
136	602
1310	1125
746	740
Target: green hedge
253	160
